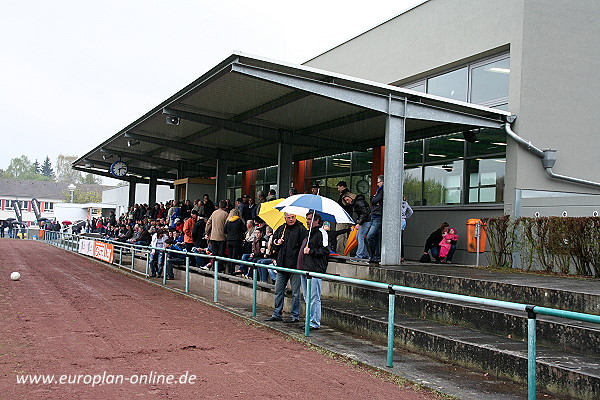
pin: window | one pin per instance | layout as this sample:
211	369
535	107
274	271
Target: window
413	185
453	85
48	206
8	204
483	82
442	184
486	180
489	82
418	87
354	168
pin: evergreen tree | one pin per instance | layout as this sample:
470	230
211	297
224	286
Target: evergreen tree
36	167
47	168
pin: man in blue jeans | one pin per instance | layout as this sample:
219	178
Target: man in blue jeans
287	241
374	233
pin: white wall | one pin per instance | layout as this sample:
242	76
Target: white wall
120	196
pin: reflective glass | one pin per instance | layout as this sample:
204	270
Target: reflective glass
487	141
362	160
445	148
490	81
443	184
318	167
413	152
419	87
486	180
339	163
271	174
413	183
452	85
260	175
331	189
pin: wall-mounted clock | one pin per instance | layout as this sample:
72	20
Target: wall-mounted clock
118	169
363	187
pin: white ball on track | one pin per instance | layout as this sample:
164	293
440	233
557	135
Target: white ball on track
15	276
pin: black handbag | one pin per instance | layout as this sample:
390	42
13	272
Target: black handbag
425	258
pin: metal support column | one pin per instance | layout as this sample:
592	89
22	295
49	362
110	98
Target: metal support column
152	190
531	354
221	186
132	184
391	234
391	326
284	170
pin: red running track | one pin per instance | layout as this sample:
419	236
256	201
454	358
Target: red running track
69	315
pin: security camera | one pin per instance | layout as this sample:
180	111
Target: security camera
172	120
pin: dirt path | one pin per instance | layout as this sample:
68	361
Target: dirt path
72	316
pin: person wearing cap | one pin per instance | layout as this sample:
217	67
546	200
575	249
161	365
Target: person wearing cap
315	189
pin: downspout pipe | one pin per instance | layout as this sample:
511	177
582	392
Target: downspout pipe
548	156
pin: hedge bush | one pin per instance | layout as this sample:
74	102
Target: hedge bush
566	245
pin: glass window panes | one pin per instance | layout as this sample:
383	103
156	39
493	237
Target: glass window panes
487	141
230	180
331	189
443	184
444	148
362	160
489	82
452	85
413	184
271	174
318	167
486	180
413	152
260	175
339	163
418	87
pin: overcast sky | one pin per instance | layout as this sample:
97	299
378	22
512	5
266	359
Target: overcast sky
73	73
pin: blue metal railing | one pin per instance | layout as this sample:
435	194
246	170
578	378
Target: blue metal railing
69	242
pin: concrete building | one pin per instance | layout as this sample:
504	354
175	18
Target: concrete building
428	98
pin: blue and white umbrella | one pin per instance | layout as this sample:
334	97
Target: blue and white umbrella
329	210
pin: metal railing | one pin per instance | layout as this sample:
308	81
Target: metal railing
69	242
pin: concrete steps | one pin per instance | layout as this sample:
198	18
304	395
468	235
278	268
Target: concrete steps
566	374
480	338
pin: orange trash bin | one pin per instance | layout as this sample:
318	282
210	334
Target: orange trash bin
472	238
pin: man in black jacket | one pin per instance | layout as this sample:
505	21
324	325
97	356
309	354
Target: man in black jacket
287	240
342	188
363	221
374	234
314	258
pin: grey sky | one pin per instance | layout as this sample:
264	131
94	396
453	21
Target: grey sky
73	73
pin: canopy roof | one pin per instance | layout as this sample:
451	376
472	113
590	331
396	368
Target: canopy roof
243	108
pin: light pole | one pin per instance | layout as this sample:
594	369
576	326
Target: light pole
72	189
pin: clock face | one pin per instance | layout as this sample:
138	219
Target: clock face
118	169
363	186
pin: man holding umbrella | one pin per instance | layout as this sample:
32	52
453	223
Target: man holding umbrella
287	240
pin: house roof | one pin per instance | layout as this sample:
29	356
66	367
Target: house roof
13	188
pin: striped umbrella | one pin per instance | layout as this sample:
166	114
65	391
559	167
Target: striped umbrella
329	210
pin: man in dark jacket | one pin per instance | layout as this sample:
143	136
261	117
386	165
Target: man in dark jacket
287	240
363	221
374	234
342	188
314	258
